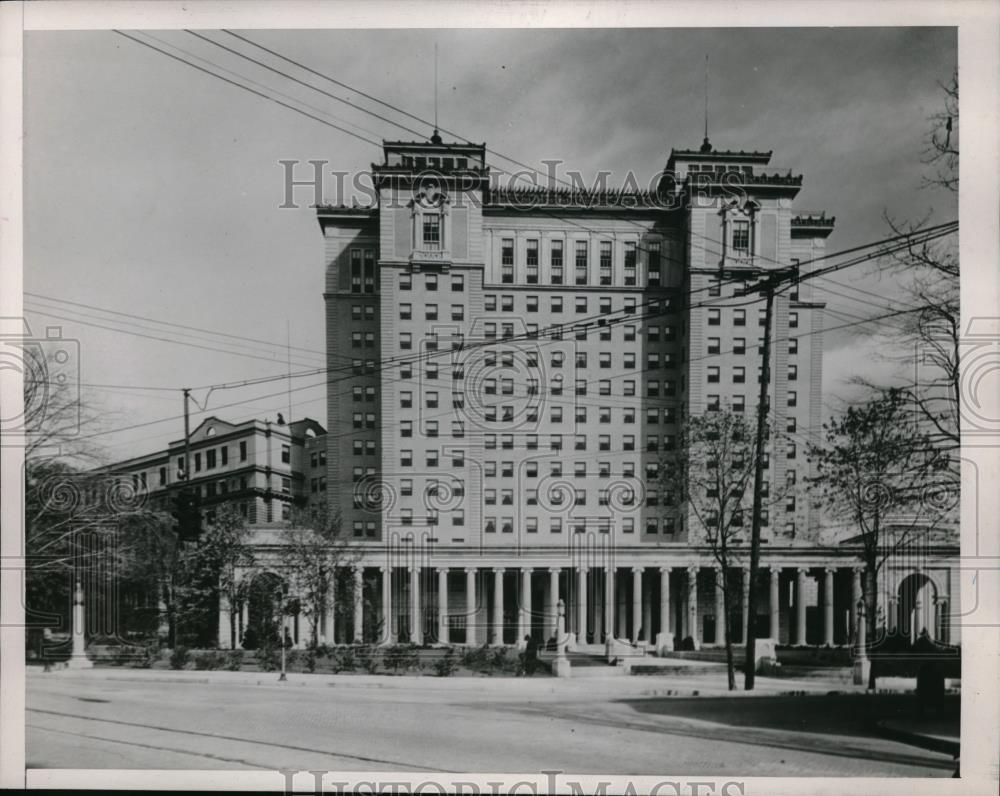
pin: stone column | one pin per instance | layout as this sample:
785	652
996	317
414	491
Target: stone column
609	602
720	608
828	606
746	604
800	606
225	611
553	601
79	659
647	612
443	631
416	613
892	613
598	592
941	619
470	606
621	597
692	606
855	596
244	610
388	634
498	606
665	639
862	666
359	605
775	604
581	605
524	614
636	602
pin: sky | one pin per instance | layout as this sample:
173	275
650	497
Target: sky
153	191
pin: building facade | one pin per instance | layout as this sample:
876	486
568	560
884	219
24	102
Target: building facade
520	361
263	468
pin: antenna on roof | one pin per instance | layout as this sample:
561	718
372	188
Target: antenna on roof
436	138
705	145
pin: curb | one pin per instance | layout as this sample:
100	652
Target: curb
932	743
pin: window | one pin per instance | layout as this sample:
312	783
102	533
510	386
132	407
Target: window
406	458
405	399
580	442
790	425
605	264
431	312
406	428
793	345
507	303
355	270
405	281
581	305
605	359
286	455
457	283
714	289
581	262
712	403
555	525
557	304
243	451
630	262
457	312
431	282
793	398
714	346
790	450
628	415
405	312
432	458
653	264
741	236
739	403
490	302
432	230
714	317
713	374
531	262
507	260
604	386
556	262
628	442
531	525
793	320
739	375
739	317
739	345
629	334
793	372
628	388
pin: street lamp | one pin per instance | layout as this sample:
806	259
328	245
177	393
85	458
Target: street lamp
281	635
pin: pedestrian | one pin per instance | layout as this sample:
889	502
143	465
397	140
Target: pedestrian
530	655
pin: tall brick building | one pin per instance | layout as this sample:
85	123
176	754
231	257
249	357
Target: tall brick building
521	358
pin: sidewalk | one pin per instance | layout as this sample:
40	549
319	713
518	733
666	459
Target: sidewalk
699	682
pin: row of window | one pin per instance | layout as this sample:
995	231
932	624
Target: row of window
214	457
714	345
580	303
364	275
713	402
654	389
317	458
714	374
739	317
581	262
431	282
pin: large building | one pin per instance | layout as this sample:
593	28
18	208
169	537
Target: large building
265	469
522	358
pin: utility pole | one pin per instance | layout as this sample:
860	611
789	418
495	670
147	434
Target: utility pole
187	436
767	286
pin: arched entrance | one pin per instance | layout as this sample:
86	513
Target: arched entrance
916	598
264	596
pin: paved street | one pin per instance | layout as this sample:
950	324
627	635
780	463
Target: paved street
595	725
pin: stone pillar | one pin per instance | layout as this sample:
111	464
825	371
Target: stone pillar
692	606
609	602
598	592
647	612
388	632
524	614
621	598
225	611
855	597
665	639
561	665
443	635
359	605
828	606
775	604
800	606
79	659
891	613
581	605
720	608
636	602
244	621
497	606
941	619
416	625
470	606
553	601
862	666
746	604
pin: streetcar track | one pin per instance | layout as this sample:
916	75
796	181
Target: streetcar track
222	737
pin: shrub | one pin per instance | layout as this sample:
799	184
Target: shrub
446	665
209	660
234	660
476	659
401	658
309	660
687	644
346	659
268	659
179	657
368	658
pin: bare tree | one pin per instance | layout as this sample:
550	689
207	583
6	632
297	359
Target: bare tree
312	551
876	470
709	474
